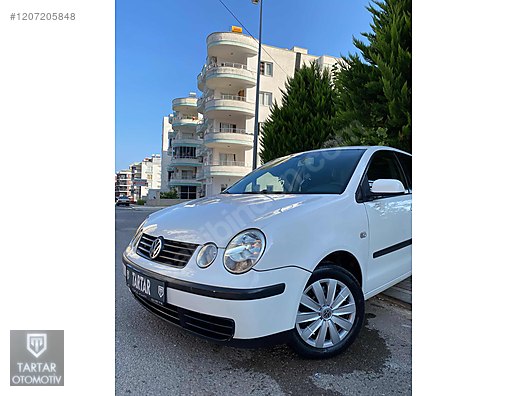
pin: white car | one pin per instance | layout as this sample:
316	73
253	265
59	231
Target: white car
123	200
288	253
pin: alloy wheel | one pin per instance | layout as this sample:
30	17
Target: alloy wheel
326	313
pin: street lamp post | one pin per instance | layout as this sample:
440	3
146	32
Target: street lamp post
257	102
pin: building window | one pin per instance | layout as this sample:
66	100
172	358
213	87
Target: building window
266	68
188	192
265	98
227	158
187	174
226	127
185	152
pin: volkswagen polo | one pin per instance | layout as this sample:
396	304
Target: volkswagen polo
289	253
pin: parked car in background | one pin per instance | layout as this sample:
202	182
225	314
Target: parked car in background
288	253
123	200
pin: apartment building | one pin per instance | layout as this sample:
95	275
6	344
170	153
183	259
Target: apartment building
151	172
135	190
180	145
140	177
166	127
228	85
123	183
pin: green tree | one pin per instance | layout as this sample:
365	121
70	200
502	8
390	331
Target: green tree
305	119
374	88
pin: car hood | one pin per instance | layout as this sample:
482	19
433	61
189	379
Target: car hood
219	218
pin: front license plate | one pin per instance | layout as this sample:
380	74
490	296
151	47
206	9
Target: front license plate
146	286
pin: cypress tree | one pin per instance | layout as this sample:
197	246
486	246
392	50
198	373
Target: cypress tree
304	120
374	89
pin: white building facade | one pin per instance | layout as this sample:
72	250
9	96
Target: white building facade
181	143
123	183
219	151
166	127
228	83
140	177
151	172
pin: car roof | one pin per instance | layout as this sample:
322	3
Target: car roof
367	148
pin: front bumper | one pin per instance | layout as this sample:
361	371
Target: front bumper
229	311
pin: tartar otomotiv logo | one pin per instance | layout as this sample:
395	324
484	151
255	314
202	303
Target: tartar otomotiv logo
37	343
37	358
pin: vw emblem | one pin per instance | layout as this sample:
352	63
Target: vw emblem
161	291
156	248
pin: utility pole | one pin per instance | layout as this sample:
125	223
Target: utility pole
257	101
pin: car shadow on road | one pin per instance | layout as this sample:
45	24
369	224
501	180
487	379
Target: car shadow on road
293	374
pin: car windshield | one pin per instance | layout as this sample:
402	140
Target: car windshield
316	172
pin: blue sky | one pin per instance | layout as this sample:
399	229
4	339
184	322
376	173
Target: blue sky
160	49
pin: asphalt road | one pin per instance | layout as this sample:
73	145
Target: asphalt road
154	357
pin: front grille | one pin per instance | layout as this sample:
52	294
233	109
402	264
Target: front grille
212	327
176	254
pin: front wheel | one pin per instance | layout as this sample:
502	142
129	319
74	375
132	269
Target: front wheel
330	314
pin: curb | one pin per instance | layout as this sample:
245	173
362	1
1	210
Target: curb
401	291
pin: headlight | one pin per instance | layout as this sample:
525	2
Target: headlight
244	251
206	255
135	240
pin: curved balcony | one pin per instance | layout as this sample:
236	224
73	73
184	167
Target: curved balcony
225	168
182	104
184	161
228	136
200	79
225	74
180	180
222	44
218	107
190	120
178	141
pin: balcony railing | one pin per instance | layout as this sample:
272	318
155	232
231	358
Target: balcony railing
185	120
223	96
189	102
184	156
228	64
246	43
182	177
228	163
231	130
234	97
227	102
184	136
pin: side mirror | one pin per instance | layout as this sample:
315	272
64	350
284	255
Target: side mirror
387	187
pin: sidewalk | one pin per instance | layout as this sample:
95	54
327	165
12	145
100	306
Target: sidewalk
401	291
145	207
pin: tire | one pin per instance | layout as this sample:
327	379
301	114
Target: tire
332	329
